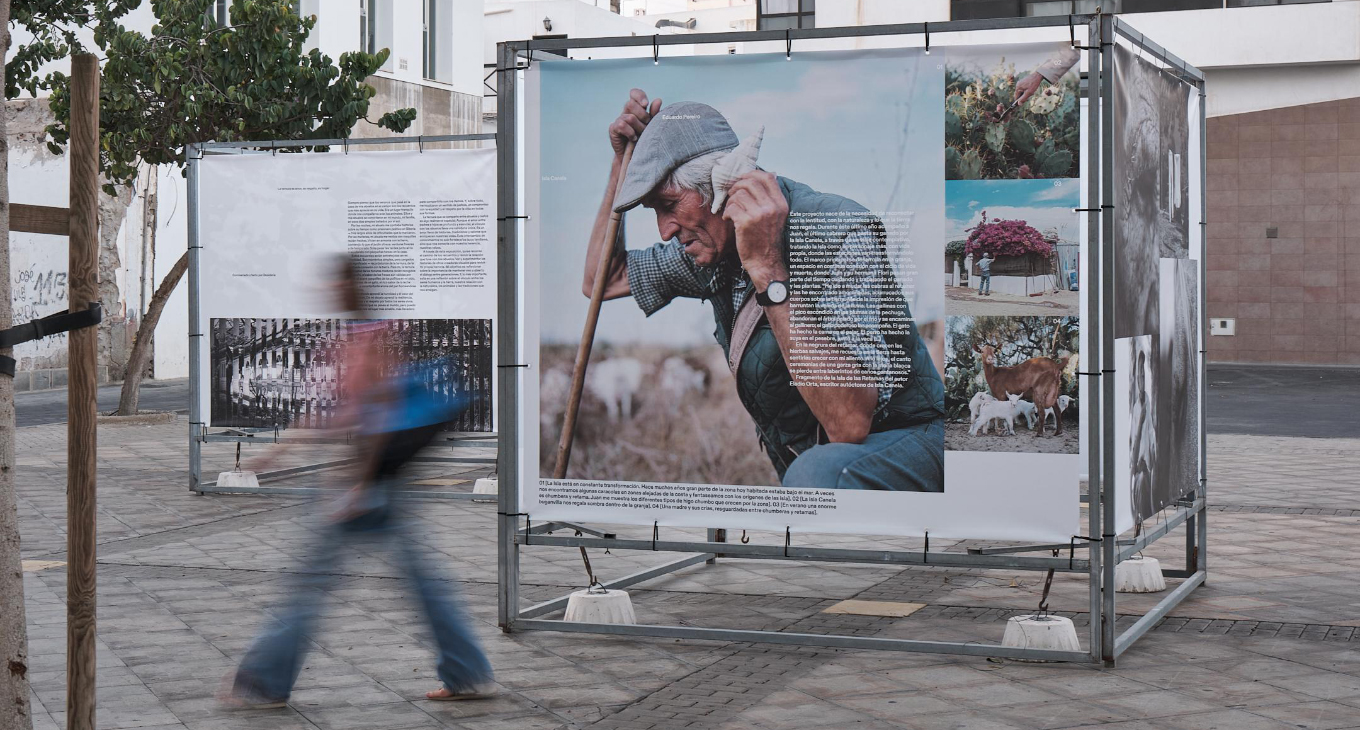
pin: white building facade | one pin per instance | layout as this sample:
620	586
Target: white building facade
434	67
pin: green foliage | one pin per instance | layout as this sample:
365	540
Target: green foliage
955	249
53	25
1037	139
1016	339
192	81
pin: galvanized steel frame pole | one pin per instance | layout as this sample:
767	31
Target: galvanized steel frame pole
1090	365
1099	343
1105	361
198	427
508	298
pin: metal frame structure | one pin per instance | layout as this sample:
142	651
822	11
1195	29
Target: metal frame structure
1103	553
198	429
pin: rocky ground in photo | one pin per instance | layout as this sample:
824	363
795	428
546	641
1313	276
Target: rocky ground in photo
957	438
1271	642
963	301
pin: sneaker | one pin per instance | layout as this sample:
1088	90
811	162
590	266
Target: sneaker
242	695
477	692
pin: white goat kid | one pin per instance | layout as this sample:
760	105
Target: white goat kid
615	382
1003	410
975	405
1030	412
1063	402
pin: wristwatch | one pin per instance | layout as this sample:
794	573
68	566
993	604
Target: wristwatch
776	293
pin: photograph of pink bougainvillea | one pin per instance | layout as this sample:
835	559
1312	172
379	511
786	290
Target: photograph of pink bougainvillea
1012	112
1011	247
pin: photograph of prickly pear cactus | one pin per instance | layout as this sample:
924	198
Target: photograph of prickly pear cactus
1006	118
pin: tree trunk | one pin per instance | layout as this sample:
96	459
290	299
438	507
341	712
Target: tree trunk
14	706
141	347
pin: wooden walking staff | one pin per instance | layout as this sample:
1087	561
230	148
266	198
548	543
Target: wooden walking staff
80	428
578	373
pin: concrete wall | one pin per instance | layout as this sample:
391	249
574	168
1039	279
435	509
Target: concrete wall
38	263
1295	296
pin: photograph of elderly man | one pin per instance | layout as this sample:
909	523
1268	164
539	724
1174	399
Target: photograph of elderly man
767	318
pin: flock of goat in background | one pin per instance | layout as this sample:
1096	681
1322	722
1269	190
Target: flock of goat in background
1038	378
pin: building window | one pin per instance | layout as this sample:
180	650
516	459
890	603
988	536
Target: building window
785	14
429	44
217	13
375	27
368	27
1062	7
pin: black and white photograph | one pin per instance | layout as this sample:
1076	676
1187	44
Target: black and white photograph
1178	378
1152	185
1143	437
287	373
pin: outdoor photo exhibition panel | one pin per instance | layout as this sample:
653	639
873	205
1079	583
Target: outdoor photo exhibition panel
273	231
932	316
865	292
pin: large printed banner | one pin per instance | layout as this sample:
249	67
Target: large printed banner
845	297
419	228
1157	288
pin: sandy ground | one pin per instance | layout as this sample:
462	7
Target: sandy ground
956	438
965	301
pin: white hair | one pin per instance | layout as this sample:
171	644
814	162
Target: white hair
696	174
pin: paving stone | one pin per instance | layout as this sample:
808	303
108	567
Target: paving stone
186	581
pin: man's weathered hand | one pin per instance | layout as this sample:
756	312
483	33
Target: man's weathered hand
634	118
1025	88
758	212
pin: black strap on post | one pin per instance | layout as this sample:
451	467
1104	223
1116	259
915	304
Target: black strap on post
52	324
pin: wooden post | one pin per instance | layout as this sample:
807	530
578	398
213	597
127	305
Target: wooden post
80	429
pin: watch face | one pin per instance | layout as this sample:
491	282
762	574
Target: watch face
777	292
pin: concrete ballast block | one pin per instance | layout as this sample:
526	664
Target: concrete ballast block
1041	632
486	485
600	607
245	479
1139	575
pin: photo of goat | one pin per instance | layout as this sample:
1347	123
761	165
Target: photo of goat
653	414
1007	375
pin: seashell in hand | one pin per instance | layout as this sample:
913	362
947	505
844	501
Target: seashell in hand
738	162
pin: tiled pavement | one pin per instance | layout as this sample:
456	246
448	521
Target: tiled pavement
185	581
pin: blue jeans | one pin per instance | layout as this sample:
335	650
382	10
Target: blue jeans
985	285
271	666
904	460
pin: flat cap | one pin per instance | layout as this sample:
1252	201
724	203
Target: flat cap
678	133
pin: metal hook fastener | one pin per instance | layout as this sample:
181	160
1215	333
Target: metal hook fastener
788	537
656	50
927	25
420	144
788	44
345	143
656	532
744	538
